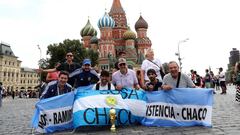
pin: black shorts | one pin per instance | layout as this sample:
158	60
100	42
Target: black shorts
222	84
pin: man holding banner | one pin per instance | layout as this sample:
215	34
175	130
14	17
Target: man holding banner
176	79
104	83
124	77
58	87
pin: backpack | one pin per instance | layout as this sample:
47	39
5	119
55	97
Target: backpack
98	85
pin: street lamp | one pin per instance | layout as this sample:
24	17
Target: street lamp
40	51
39	63
178	53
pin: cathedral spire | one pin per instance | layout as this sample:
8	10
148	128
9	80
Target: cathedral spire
116	7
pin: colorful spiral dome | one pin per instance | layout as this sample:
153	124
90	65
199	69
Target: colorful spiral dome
141	23
106	21
129	34
88	30
94	40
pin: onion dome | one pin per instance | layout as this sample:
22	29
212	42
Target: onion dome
94	40
88	30
141	23
129	34
106	21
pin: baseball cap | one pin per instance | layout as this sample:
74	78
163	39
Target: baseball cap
121	60
86	61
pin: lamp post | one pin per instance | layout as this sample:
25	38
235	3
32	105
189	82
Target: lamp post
178	53
39	63
40	51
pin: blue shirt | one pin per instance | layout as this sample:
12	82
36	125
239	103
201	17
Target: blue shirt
52	89
84	78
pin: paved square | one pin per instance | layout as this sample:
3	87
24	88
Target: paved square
15	119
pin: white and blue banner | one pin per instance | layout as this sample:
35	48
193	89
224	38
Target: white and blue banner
179	107
87	107
54	114
91	108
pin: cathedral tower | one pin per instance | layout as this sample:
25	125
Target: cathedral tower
87	33
142	41
106	43
120	27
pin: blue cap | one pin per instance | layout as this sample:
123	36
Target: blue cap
86	61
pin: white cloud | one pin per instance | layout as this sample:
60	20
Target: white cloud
211	25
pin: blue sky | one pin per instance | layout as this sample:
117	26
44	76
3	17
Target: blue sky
212	26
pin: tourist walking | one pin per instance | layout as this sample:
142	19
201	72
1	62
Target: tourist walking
222	81
13	94
1	90
207	79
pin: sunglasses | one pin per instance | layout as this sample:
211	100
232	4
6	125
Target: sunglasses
69	55
122	64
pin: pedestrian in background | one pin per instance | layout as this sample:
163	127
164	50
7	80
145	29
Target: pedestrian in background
207	79
52	76
222	81
237	82
1	90
13	94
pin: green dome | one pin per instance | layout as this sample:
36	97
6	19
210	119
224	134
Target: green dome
129	34
94	40
88	30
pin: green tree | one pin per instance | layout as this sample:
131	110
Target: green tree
58	52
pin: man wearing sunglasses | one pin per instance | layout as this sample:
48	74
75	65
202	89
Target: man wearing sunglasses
124	77
68	66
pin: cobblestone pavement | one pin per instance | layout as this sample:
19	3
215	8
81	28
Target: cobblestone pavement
15	118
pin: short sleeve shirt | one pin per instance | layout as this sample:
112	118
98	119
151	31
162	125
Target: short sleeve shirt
185	81
146	65
222	77
128	80
68	67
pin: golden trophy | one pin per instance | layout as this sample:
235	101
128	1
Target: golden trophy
112	114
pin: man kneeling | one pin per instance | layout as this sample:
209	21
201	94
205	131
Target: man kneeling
58	87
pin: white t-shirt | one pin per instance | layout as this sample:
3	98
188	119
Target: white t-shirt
222	76
146	65
104	87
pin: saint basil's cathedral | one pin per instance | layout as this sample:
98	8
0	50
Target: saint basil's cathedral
116	37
